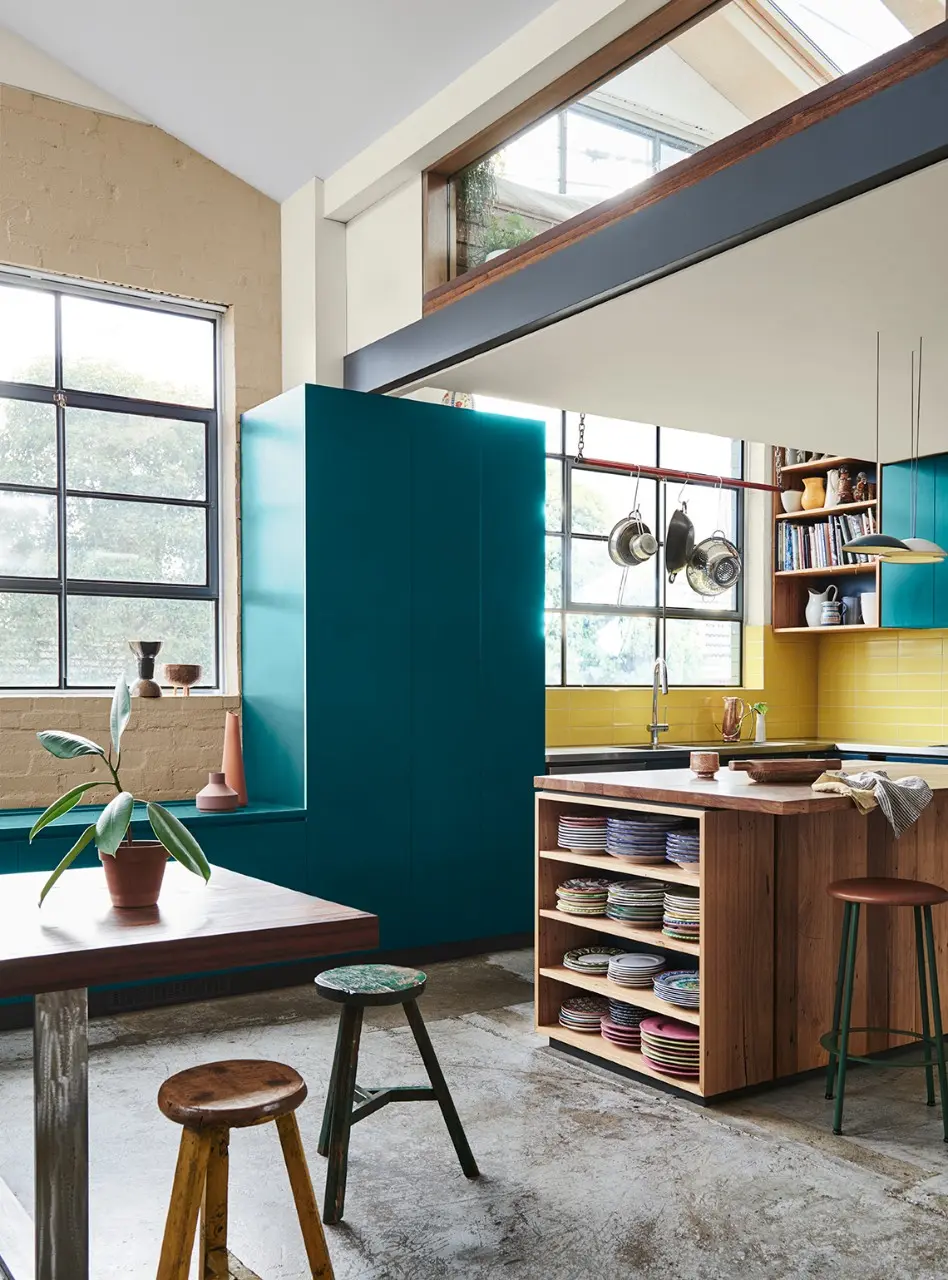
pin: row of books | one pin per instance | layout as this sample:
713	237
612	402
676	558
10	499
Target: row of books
819	544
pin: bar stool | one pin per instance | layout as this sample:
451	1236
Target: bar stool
357	987
886	891
209	1101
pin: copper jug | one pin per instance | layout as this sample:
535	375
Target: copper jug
735	713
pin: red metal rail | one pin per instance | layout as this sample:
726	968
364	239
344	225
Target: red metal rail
667	473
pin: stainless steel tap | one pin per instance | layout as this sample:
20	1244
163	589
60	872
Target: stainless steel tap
659	680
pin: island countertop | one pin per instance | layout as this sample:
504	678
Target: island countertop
729	790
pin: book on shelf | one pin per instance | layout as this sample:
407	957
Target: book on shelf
819	544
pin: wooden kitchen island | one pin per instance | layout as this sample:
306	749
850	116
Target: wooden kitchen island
769	939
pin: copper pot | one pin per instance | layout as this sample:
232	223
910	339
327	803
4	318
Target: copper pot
135	873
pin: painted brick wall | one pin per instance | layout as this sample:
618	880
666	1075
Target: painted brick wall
115	201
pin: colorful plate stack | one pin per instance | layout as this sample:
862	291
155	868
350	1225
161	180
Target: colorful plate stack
582	835
640	902
621	1027
671	1047
626	1015
682	918
582	896
683	846
584	1013
640	839
635	969
590	959
679	986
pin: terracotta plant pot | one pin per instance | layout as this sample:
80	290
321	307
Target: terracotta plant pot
135	874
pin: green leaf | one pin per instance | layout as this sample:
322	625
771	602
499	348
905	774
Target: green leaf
69	859
62	805
113	821
66	746
178	840
121	710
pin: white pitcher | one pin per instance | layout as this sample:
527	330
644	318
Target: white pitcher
816	601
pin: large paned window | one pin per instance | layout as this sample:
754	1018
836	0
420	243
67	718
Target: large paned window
604	625
108	485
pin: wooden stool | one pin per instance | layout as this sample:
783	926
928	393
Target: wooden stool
209	1101
356	987
886	891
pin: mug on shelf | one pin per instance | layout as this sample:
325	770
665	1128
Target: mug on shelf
832	613
853	608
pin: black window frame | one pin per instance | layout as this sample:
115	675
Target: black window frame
666	496
64	397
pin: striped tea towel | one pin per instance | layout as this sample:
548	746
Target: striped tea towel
901	800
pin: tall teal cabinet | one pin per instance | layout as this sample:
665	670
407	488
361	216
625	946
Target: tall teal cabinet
916	595
393	653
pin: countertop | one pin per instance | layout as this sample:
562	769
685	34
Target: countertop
615	754
728	790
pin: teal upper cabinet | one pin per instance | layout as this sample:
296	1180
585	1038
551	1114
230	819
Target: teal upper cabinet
393	652
916	595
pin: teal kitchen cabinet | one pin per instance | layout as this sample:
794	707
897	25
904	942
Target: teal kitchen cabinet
393	652
916	595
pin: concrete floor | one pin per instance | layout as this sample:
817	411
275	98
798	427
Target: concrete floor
584	1174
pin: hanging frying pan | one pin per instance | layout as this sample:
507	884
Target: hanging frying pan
679	541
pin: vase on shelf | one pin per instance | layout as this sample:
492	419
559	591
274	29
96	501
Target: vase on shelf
814	493
832	488
232	765
814	608
791	500
869	602
146	651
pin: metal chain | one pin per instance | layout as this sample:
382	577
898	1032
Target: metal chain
582	435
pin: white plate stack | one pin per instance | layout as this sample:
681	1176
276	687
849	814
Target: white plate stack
635	969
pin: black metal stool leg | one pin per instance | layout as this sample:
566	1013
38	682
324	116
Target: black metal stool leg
936	1019
441	1091
340	1102
923	999
846	1017
323	1144
838	1001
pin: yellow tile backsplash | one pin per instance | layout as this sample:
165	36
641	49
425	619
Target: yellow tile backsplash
778	670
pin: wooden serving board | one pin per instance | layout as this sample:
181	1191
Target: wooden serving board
779	770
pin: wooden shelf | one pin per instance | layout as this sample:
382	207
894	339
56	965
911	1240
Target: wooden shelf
826	573
813	631
622	929
641	997
621	866
603	1048
817	512
825	464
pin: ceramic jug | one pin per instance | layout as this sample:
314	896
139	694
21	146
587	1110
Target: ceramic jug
814	493
814	608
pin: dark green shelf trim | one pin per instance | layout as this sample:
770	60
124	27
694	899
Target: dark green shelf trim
15	824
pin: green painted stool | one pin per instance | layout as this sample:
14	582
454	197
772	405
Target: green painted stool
357	987
886	891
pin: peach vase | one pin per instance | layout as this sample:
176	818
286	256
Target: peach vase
233	763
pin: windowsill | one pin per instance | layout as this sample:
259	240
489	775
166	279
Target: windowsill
15	824
106	694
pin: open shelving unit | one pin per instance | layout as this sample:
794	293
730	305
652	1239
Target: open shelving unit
734	878
791	586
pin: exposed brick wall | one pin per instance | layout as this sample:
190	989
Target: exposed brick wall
115	201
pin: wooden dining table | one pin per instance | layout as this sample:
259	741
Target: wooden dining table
78	940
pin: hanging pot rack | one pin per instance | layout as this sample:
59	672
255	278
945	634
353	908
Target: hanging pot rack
668	473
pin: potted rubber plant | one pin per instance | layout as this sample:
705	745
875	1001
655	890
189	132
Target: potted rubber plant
134	869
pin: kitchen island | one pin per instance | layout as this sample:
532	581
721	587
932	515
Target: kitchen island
768	946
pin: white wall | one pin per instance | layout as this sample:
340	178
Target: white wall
385	279
314	290
27	67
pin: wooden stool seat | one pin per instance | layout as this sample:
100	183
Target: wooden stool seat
363	985
208	1101
888	891
231	1095
355	987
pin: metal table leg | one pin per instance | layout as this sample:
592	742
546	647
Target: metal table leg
61	1134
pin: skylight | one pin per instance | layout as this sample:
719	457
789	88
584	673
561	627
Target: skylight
849	32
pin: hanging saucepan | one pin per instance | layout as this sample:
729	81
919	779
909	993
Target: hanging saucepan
715	565
679	541
631	542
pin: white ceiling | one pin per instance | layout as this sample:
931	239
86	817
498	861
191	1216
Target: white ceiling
277	91
773	341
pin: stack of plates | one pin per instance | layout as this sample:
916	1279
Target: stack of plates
619	1033
635	969
682	914
682	846
590	959
638	901
679	986
671	1047
627	1015
582	896
582	835
584	1013
641	839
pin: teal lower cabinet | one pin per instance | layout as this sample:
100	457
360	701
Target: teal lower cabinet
916	595
393	652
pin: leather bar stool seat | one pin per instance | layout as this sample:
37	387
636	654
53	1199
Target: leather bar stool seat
888	891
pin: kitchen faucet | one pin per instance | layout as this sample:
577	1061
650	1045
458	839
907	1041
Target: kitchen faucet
659	677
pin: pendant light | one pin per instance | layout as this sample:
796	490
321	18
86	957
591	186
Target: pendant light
918	550
878	544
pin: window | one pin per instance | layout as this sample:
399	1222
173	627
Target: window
603	628
108	486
